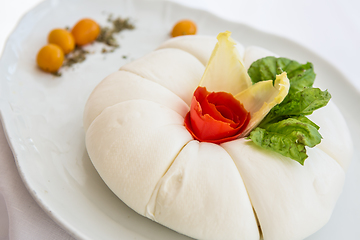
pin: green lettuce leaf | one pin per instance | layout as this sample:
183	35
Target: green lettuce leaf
307	121
286	129
301	103
287	137
300	75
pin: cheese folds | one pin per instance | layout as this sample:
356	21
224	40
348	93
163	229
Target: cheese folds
137	141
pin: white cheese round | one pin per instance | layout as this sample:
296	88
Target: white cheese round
137	141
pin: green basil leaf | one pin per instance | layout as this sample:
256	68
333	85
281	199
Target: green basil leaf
304	102
275	142
287	137
300	75
306	120
286	129
263	69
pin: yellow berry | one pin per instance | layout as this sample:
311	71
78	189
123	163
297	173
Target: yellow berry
50	58
63	39
184	27
85	31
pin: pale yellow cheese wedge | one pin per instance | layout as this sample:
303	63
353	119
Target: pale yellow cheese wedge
121	86
225	71
291	201
202	195
261	97
174	69
132	144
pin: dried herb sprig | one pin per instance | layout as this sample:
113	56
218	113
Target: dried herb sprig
76	56
56	74
105	50
107	33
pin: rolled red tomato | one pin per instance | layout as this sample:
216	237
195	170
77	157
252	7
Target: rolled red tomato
215	117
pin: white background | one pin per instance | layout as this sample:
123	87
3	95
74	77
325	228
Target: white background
329	28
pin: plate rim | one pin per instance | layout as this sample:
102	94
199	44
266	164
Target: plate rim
5	109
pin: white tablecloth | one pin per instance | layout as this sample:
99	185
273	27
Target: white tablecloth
330	28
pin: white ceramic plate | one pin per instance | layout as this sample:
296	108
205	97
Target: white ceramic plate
42	114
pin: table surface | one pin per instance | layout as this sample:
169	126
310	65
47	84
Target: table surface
329	28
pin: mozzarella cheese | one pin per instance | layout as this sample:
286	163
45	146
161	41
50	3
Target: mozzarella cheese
137	141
